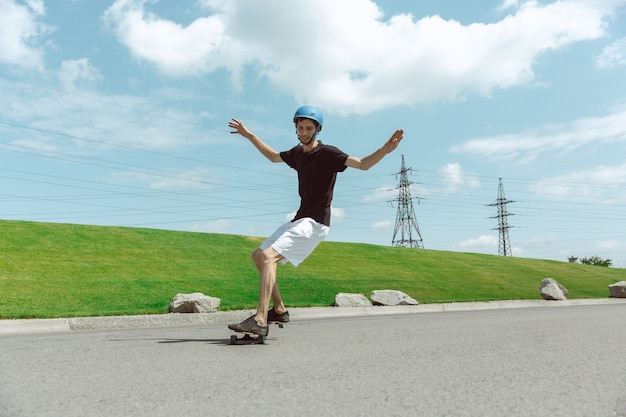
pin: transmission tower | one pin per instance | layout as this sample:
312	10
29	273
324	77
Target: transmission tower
504	244
406	223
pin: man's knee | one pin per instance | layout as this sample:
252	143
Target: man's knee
267	256
257	256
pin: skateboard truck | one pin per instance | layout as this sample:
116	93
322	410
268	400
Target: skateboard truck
247	337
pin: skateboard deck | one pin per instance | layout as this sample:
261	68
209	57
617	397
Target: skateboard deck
249	337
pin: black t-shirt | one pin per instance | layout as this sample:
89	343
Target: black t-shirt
317	173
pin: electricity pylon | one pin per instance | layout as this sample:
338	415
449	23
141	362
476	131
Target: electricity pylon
504	244
406	223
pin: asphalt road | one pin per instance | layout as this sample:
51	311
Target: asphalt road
552	362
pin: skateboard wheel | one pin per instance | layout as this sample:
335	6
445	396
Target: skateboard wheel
233	339
281	325
261	340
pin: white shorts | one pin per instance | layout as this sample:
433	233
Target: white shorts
296	240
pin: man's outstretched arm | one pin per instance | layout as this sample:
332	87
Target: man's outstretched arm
263	147
371	160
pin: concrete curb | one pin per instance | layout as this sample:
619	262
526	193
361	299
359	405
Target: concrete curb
29	326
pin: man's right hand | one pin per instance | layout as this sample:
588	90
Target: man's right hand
239	127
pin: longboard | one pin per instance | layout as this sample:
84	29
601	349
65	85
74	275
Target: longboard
249	337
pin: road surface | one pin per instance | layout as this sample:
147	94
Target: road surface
549	362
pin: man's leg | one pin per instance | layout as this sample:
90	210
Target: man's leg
277	300
266	261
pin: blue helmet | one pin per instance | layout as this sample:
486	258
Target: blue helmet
309	112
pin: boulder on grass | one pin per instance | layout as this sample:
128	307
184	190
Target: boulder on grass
392	298
194	303
351	300
552	290
618	290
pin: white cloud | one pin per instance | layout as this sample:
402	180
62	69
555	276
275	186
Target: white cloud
508	4
612	56
183	180
77	70
218	226
481	243
289	216
167	180
345	57
174	48
562	137
144	122
600	185
21	30
610	245
383	225
485	244
454	178
337	214
382	193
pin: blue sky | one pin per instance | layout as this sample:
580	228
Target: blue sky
115	113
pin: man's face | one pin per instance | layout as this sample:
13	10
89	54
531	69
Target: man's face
305	128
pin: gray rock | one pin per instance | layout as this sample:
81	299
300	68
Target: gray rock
194	303
552	290
392	298
618	290
351	300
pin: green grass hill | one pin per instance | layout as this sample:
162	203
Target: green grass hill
64	270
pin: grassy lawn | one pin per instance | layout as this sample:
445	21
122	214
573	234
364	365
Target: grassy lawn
63	270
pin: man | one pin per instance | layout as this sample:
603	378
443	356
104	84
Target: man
317	165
